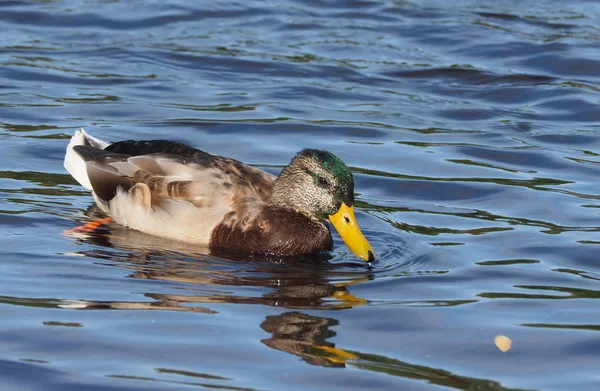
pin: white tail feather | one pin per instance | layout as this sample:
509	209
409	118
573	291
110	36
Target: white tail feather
74	163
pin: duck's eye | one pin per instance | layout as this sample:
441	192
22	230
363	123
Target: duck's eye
322	181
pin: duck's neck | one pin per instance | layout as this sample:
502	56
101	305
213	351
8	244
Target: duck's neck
287	193
281	189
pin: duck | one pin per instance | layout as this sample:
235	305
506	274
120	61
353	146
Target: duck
173	190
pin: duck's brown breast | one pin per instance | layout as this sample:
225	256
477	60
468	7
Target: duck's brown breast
274	231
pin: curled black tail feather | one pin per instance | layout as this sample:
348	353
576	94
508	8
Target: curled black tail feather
92	153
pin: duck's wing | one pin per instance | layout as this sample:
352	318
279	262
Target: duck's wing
103	177
172	170
137	148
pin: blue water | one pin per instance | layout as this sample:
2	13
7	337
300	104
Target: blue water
472	128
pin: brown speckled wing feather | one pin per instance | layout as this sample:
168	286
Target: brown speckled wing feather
235	173
173	171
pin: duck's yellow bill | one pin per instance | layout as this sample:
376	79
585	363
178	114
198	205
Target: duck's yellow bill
345	223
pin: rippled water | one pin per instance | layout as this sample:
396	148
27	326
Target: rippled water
472	130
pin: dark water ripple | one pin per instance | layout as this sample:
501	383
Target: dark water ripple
472	130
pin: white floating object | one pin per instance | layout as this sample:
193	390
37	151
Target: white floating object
503	343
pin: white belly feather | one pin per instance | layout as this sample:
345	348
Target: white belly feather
175	219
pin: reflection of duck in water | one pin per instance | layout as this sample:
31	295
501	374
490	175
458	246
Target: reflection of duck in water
306	336
290	282
175	191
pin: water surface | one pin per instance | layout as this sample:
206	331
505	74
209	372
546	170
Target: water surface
471	128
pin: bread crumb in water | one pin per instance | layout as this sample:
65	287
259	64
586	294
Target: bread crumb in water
503	343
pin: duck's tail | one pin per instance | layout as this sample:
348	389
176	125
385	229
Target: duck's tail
74	163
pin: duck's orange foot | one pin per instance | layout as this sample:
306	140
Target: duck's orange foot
89	227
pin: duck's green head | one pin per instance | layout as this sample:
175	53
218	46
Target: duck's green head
319	183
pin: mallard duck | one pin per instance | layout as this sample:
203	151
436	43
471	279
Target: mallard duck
173	190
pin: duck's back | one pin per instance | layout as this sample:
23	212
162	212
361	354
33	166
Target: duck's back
232	174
